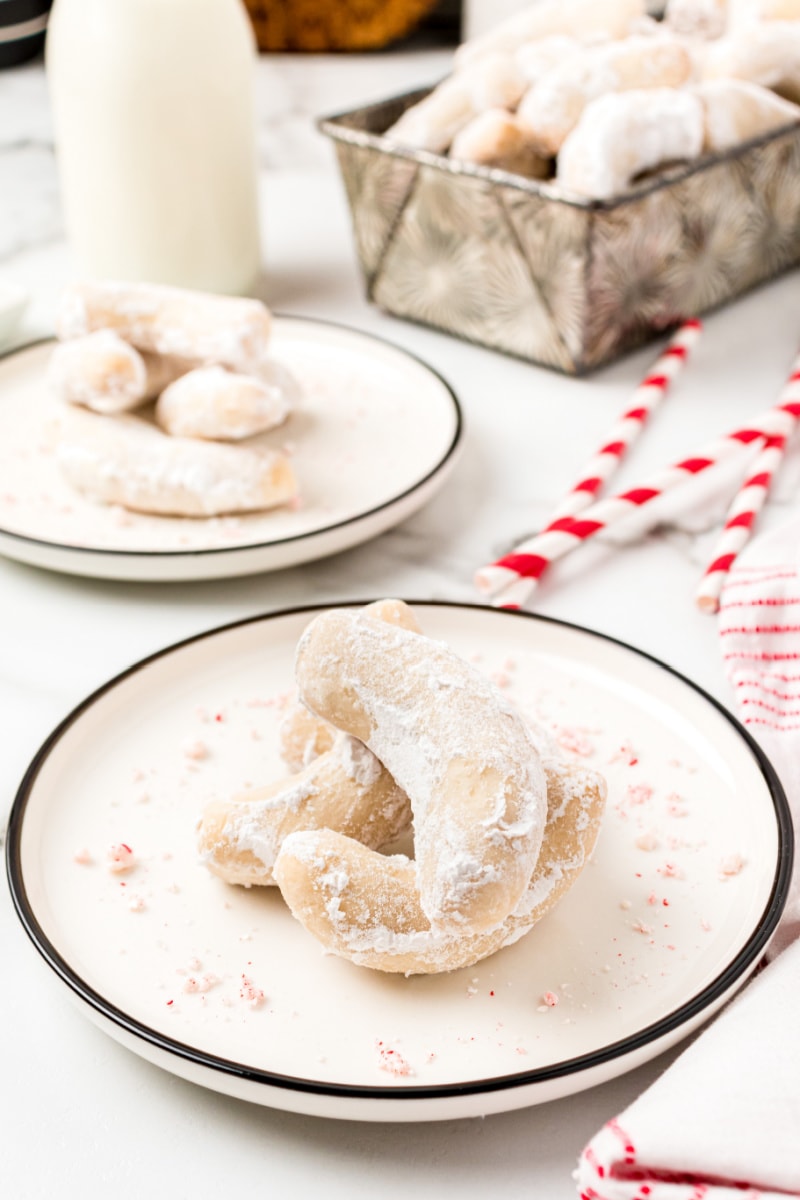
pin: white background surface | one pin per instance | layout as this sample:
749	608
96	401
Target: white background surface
81	1116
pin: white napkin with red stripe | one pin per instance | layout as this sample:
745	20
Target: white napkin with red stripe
759	628
723	1122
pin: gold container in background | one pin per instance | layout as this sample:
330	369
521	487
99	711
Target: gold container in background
324	25
519	266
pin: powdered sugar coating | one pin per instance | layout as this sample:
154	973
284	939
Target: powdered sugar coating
345	789
191	325
125	461
623	134
211	402
452	742
366	907
100	371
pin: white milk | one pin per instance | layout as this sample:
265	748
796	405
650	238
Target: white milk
155	135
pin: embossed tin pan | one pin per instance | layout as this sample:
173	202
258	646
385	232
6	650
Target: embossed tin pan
522	267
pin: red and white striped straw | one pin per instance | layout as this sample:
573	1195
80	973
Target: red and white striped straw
627	429
747	504
646	399
529	560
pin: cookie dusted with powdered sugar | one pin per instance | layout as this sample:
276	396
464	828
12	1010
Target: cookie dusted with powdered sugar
452	742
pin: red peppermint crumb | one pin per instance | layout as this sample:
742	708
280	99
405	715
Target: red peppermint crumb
575	741
253	995
550	999
120	857
392	1060
625	754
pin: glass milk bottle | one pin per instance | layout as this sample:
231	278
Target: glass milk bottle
155	136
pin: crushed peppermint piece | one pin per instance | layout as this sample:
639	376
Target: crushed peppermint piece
137	904
639	793
574	741
641	927
731	865
669	870
625	754
82	857
392	1060
120	857
550	999
250	993
202	985
625	904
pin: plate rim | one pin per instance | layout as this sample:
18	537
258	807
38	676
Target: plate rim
692	1010
166	556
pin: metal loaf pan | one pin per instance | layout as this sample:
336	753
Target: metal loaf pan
520	266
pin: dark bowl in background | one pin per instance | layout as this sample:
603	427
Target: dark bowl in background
22	29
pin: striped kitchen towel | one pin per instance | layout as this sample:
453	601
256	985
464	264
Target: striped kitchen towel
723	1122
759	629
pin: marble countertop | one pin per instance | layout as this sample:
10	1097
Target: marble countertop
79	1113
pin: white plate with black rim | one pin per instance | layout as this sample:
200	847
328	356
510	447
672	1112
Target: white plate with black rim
374	437
685	888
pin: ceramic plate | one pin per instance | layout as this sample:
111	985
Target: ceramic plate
686	886
374	438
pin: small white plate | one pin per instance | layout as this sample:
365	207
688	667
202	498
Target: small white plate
686	887
374	438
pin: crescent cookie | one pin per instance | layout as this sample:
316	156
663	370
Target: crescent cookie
494	82
767	53
344	789
365	907
592	17
195	326
211	402
736	111
623	134
452	742
697	18
339	785
103	372
99	371
747	12
553	108
122	460
498	139
303	736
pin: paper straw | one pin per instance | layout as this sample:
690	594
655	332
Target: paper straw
627	429
746	506
529	560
